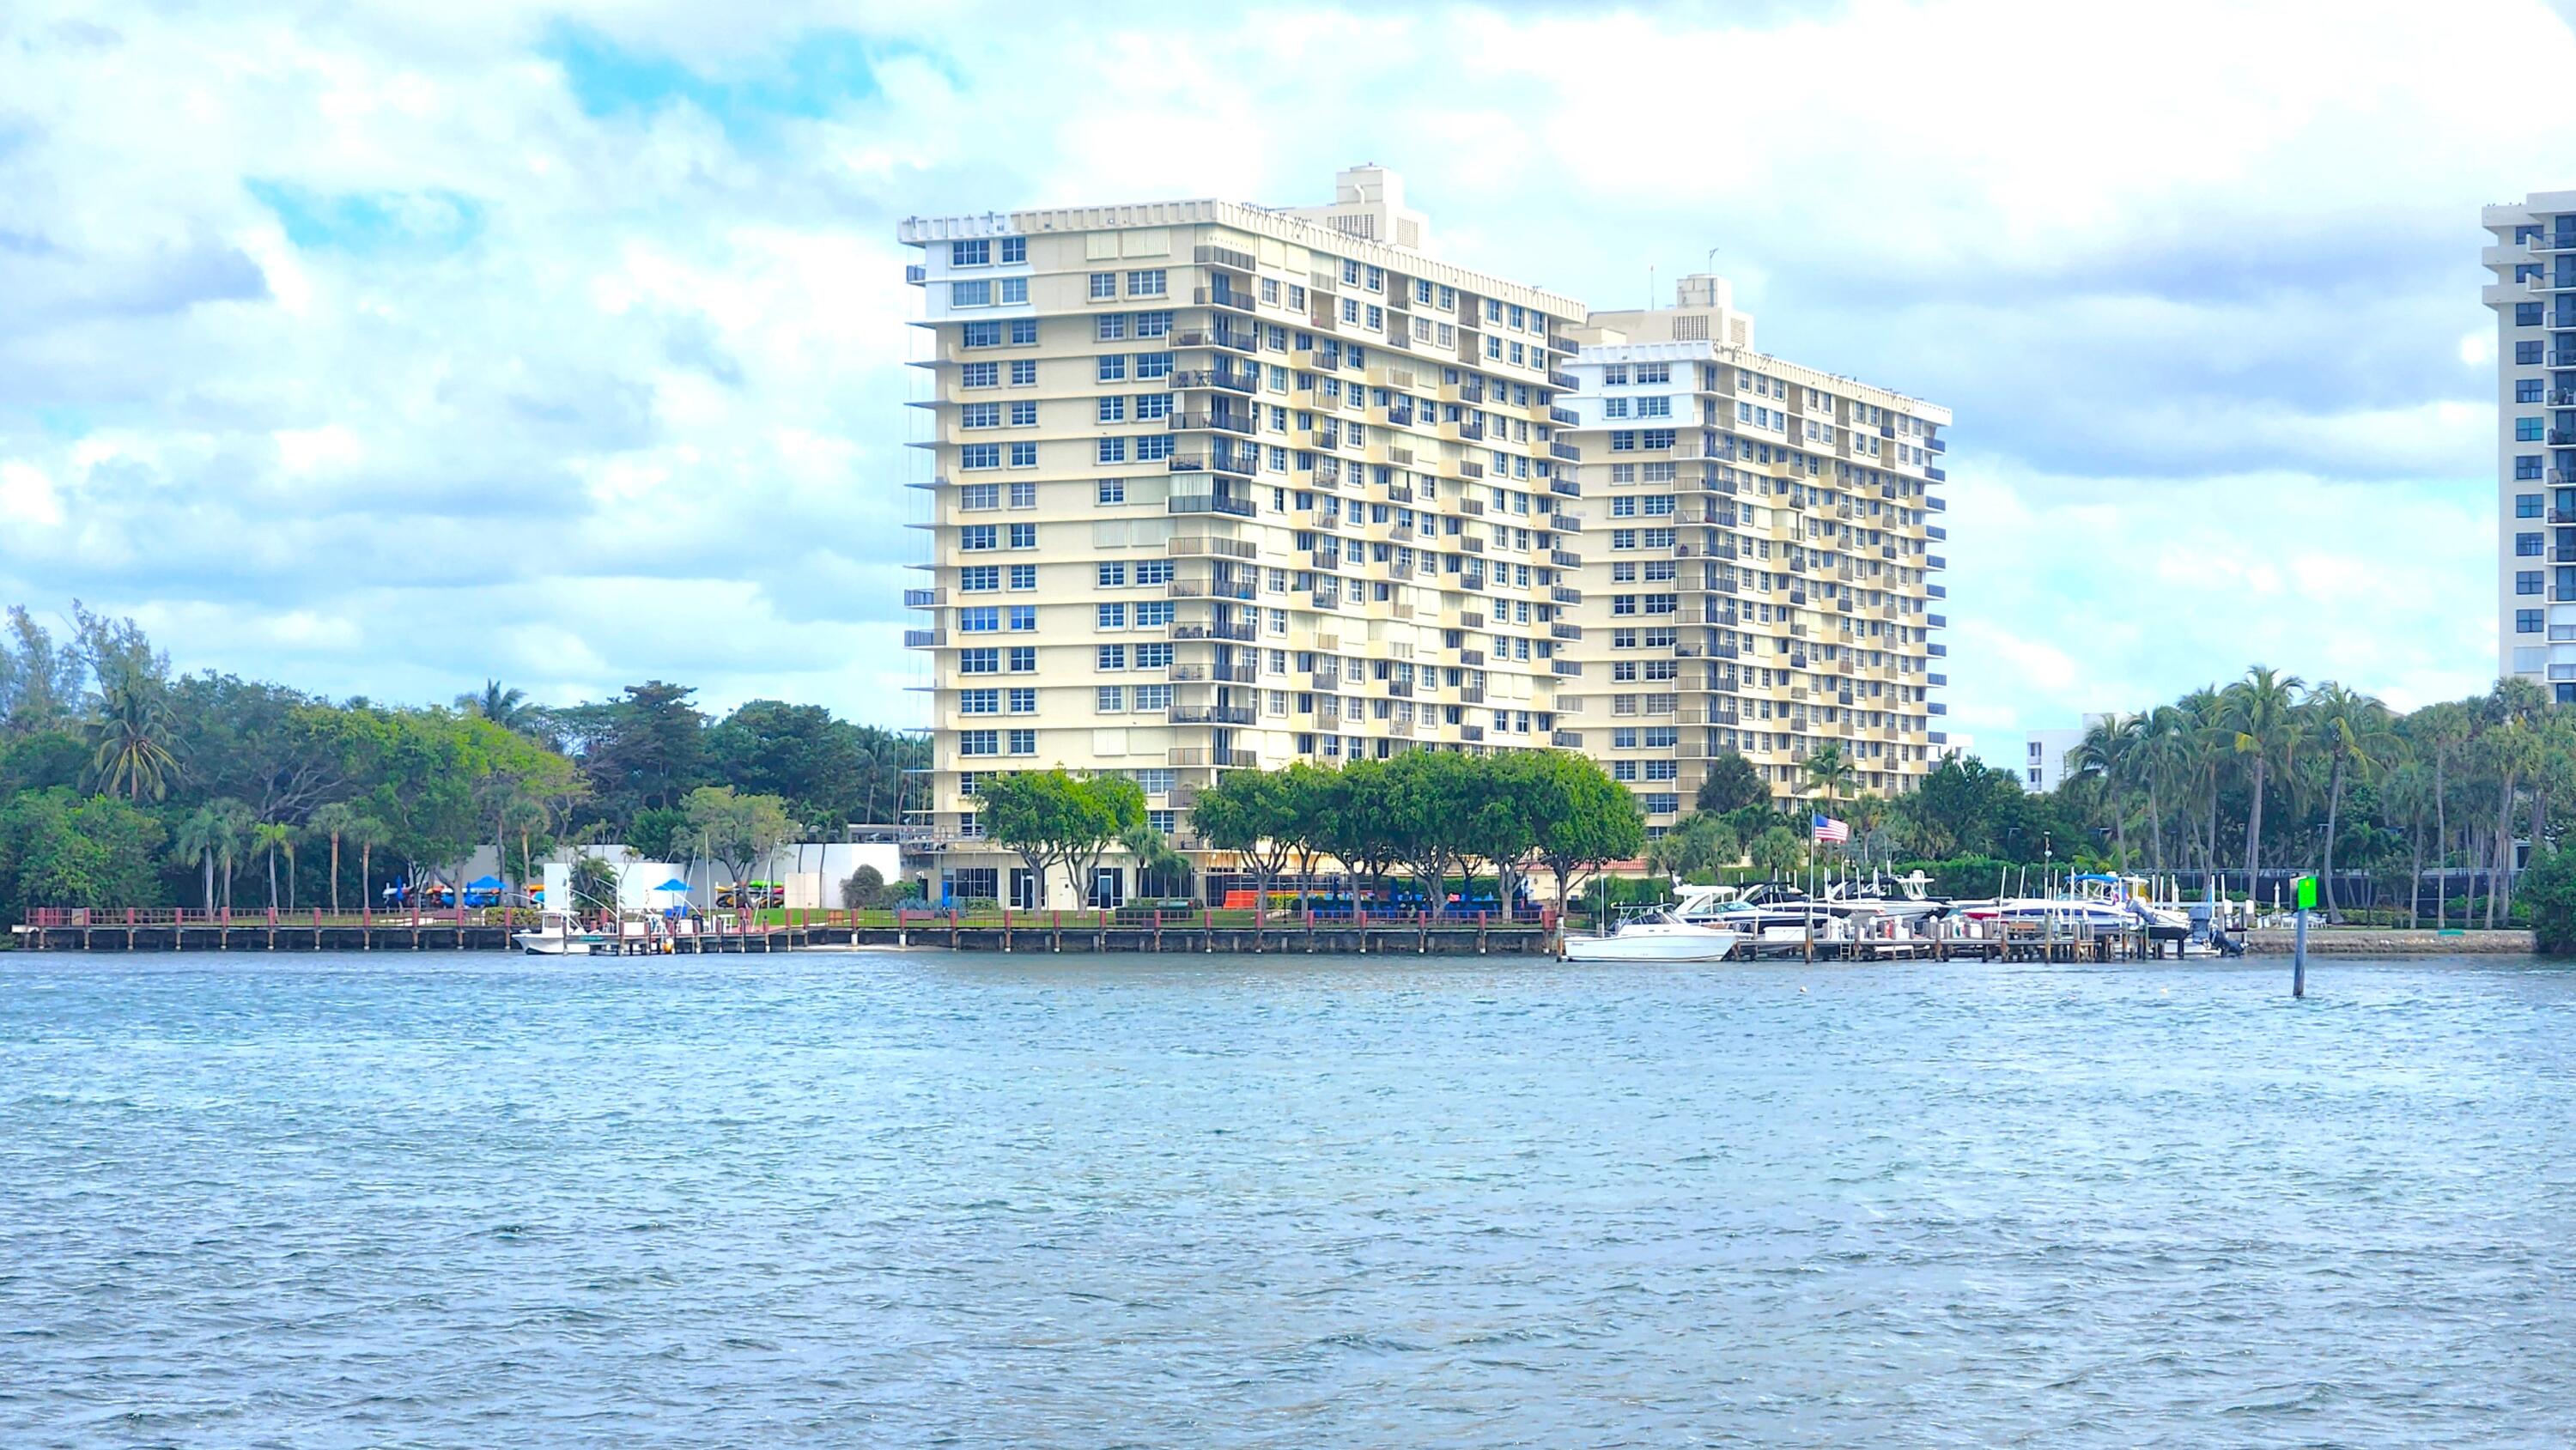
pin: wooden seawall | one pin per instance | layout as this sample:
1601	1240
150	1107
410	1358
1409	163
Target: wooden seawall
1375	939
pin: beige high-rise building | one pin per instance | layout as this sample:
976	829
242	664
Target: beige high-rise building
1759	571
1215	486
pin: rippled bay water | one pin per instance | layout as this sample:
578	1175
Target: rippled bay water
872	1199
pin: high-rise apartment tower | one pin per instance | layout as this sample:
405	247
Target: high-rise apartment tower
1214	486
2534	296
1760	569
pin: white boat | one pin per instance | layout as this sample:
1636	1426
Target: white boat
557	934
2091	903
1655	936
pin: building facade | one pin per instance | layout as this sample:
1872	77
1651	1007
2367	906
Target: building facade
1760	574
1212	486
2533	257
2044	754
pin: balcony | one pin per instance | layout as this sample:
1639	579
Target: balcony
1204	547
1564	560
1565	452
1563	595
1936	533
1471	657
1939	651
1222	297
924	598
1206	422
1566	668
1564	488
1220	674
1937	506
1565	631
1218	337
1562	382
1936	475
1209	715
1470	619
1214	378
924	638
1935	561
1938	591
1208	503
1938	445
1210	589
1936	679
1471	732
1566	739
1563	417
1193	755
1240	633
1565	523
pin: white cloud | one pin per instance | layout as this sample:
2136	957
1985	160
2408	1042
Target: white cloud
550	390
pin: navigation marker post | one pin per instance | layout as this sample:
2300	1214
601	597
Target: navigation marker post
2307	900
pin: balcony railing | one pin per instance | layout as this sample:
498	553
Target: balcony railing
924	598
1214	378
1209	503
1209	715
1240	633
1192	755
924	638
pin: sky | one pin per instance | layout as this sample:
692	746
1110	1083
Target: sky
382	349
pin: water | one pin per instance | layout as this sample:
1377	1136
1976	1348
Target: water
347	1200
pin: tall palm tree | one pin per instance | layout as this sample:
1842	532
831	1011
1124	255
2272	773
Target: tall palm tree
2407	798
505	707
2160	758
2353	732
237	823
2261	710
129	739
2107	756
1155	859
201	843
267	839
2443	731
1830	772
366	833
2511	750
332	822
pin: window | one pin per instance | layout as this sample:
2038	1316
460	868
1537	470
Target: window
1024	619
2526	581
1024	659
2526	430
1111	409
2526	465
1024	415
1109	698
1024	332
1153	656
1110	657
1145	284
1023	455
978	662
976	536
1153	697
980	375
1024	373
987	334
1111	576
2526	314
980	455
1023	742
977	253
1623	441
2526	505
1113	367
2525	353
1024	495
2527	545
1024	576
1153	324
1112	490
1110	616
1153	364
1024	701
979	496
1104	286
979	702
1153	613
979	578
1015	249
1153	407
1014	289
1656	438
1654	373
978	293
1109	450
2526	621
1153	571
987	620
1024	536
1654	407
979	742
980	415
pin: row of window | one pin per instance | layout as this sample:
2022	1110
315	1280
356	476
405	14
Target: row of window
987	619
980	252
973	537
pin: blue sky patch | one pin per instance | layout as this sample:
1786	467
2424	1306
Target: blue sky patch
820	72
363	222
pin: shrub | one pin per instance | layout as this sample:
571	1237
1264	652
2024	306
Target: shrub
865	888
2548	892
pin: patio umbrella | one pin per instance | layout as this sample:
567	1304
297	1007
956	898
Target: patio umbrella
674	884
487	883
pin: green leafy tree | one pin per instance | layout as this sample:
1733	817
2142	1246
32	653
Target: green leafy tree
741	831
59	849
1252	813
2549	895
1586	821
1778	852
1733	783
863	889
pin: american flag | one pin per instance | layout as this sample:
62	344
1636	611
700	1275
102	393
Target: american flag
1829	829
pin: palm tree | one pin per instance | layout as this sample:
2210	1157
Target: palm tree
1830	772
2261	710
202	841
266	839
2352	730
368	833
2160	760
1153	854
507	708
2444	729
128	739
332	822
2408	796
2107	755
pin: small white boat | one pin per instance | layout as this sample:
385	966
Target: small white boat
1655	936
558	935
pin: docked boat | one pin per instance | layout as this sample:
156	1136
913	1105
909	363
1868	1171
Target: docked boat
1654	936
559	934
2091	903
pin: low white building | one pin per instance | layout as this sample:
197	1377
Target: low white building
2044	754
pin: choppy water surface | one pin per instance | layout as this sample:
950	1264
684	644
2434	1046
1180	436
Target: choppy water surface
896	1200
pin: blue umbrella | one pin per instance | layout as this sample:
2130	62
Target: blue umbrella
674	884
488	883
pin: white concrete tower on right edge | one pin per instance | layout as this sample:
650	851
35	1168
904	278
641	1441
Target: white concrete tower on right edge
2534	297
